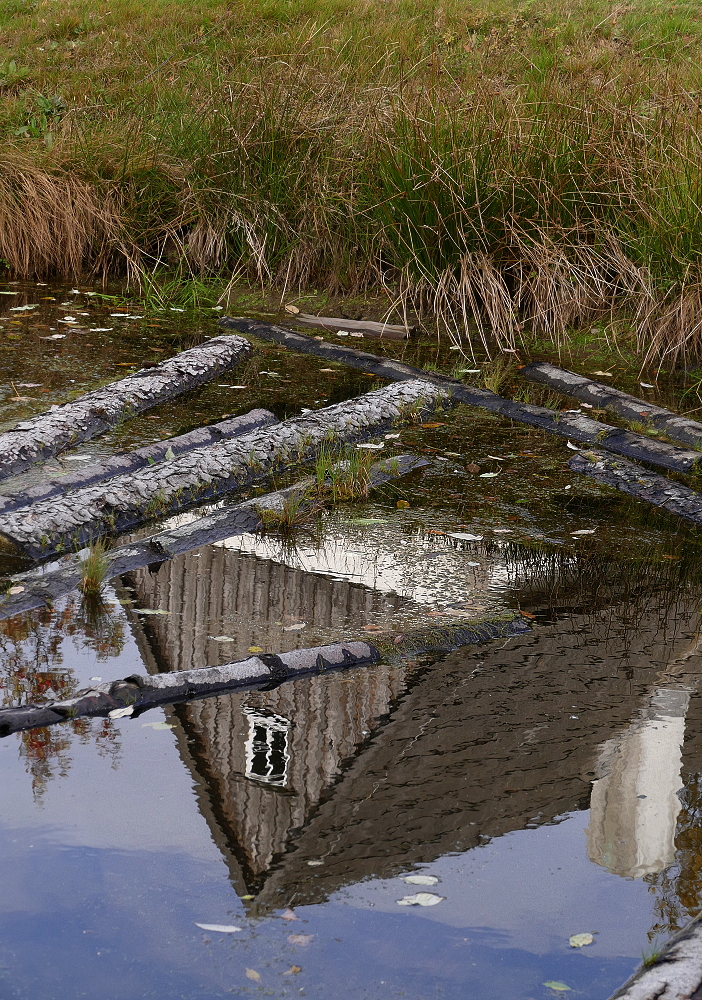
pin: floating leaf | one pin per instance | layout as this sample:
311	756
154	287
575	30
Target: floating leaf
295	628
554	984
293	310
606	374
573	447
464	537
101	329
152	611
293	970
472	467
16	590
21	309
221	638
421	899
488	475
584	531
315	864
498	458
420	879
255	649
390	437
580	940
252	974
402	504
502	531
434	425
647	385
371	447
219	929
170	454
121	713
54	336
301	939
288	915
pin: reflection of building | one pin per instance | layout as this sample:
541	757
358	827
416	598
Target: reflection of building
634	805
485	742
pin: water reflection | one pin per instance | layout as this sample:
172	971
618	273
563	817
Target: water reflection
326	781
635	805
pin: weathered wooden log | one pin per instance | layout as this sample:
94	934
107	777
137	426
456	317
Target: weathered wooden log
606	397
363	326
640	483
138	692
67	523
567	425
63	426
130	461
40	588
675	975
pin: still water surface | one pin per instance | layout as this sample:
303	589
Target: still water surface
550	782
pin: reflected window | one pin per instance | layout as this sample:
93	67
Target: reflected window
267	747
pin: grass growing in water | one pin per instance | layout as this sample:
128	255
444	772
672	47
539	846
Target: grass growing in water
93	571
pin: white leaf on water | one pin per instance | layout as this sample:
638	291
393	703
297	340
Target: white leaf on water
218	928
497	458
573	447
473	564
502	531
580	940
315	864
420	879
421	899
295	627
16	590
9	293
293	310
606	374
54	336
587	405
175	309
390	437
221	638
125	316
471	371
647	385
237	387
21	309
121	713
68	319
342	333
151	611
488	475
28	385
217	308
170	454
101	329
371	447
95	680
584	531
352	334
462	536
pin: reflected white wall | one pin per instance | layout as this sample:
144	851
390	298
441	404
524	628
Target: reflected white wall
634	805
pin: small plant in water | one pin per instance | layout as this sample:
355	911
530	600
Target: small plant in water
298	508
651	955
93	570
344	476
498	373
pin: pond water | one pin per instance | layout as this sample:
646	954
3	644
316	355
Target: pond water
548	784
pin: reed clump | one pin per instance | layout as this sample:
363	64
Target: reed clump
502	171
93	571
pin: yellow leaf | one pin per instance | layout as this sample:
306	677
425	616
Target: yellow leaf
255	649
252	974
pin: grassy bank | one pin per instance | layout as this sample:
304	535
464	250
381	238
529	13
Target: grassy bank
503	167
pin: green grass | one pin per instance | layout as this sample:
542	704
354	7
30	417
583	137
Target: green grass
505	170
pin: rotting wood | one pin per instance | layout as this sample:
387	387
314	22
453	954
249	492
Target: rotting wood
132	460
388	331
41	588
675	425
264	670
568	425
640	483
66	425
66	523
676	973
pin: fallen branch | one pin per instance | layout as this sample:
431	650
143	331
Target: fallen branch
605	397
566	425
138	692
40	588
363	326
139	459
676	974
92	414
640	483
